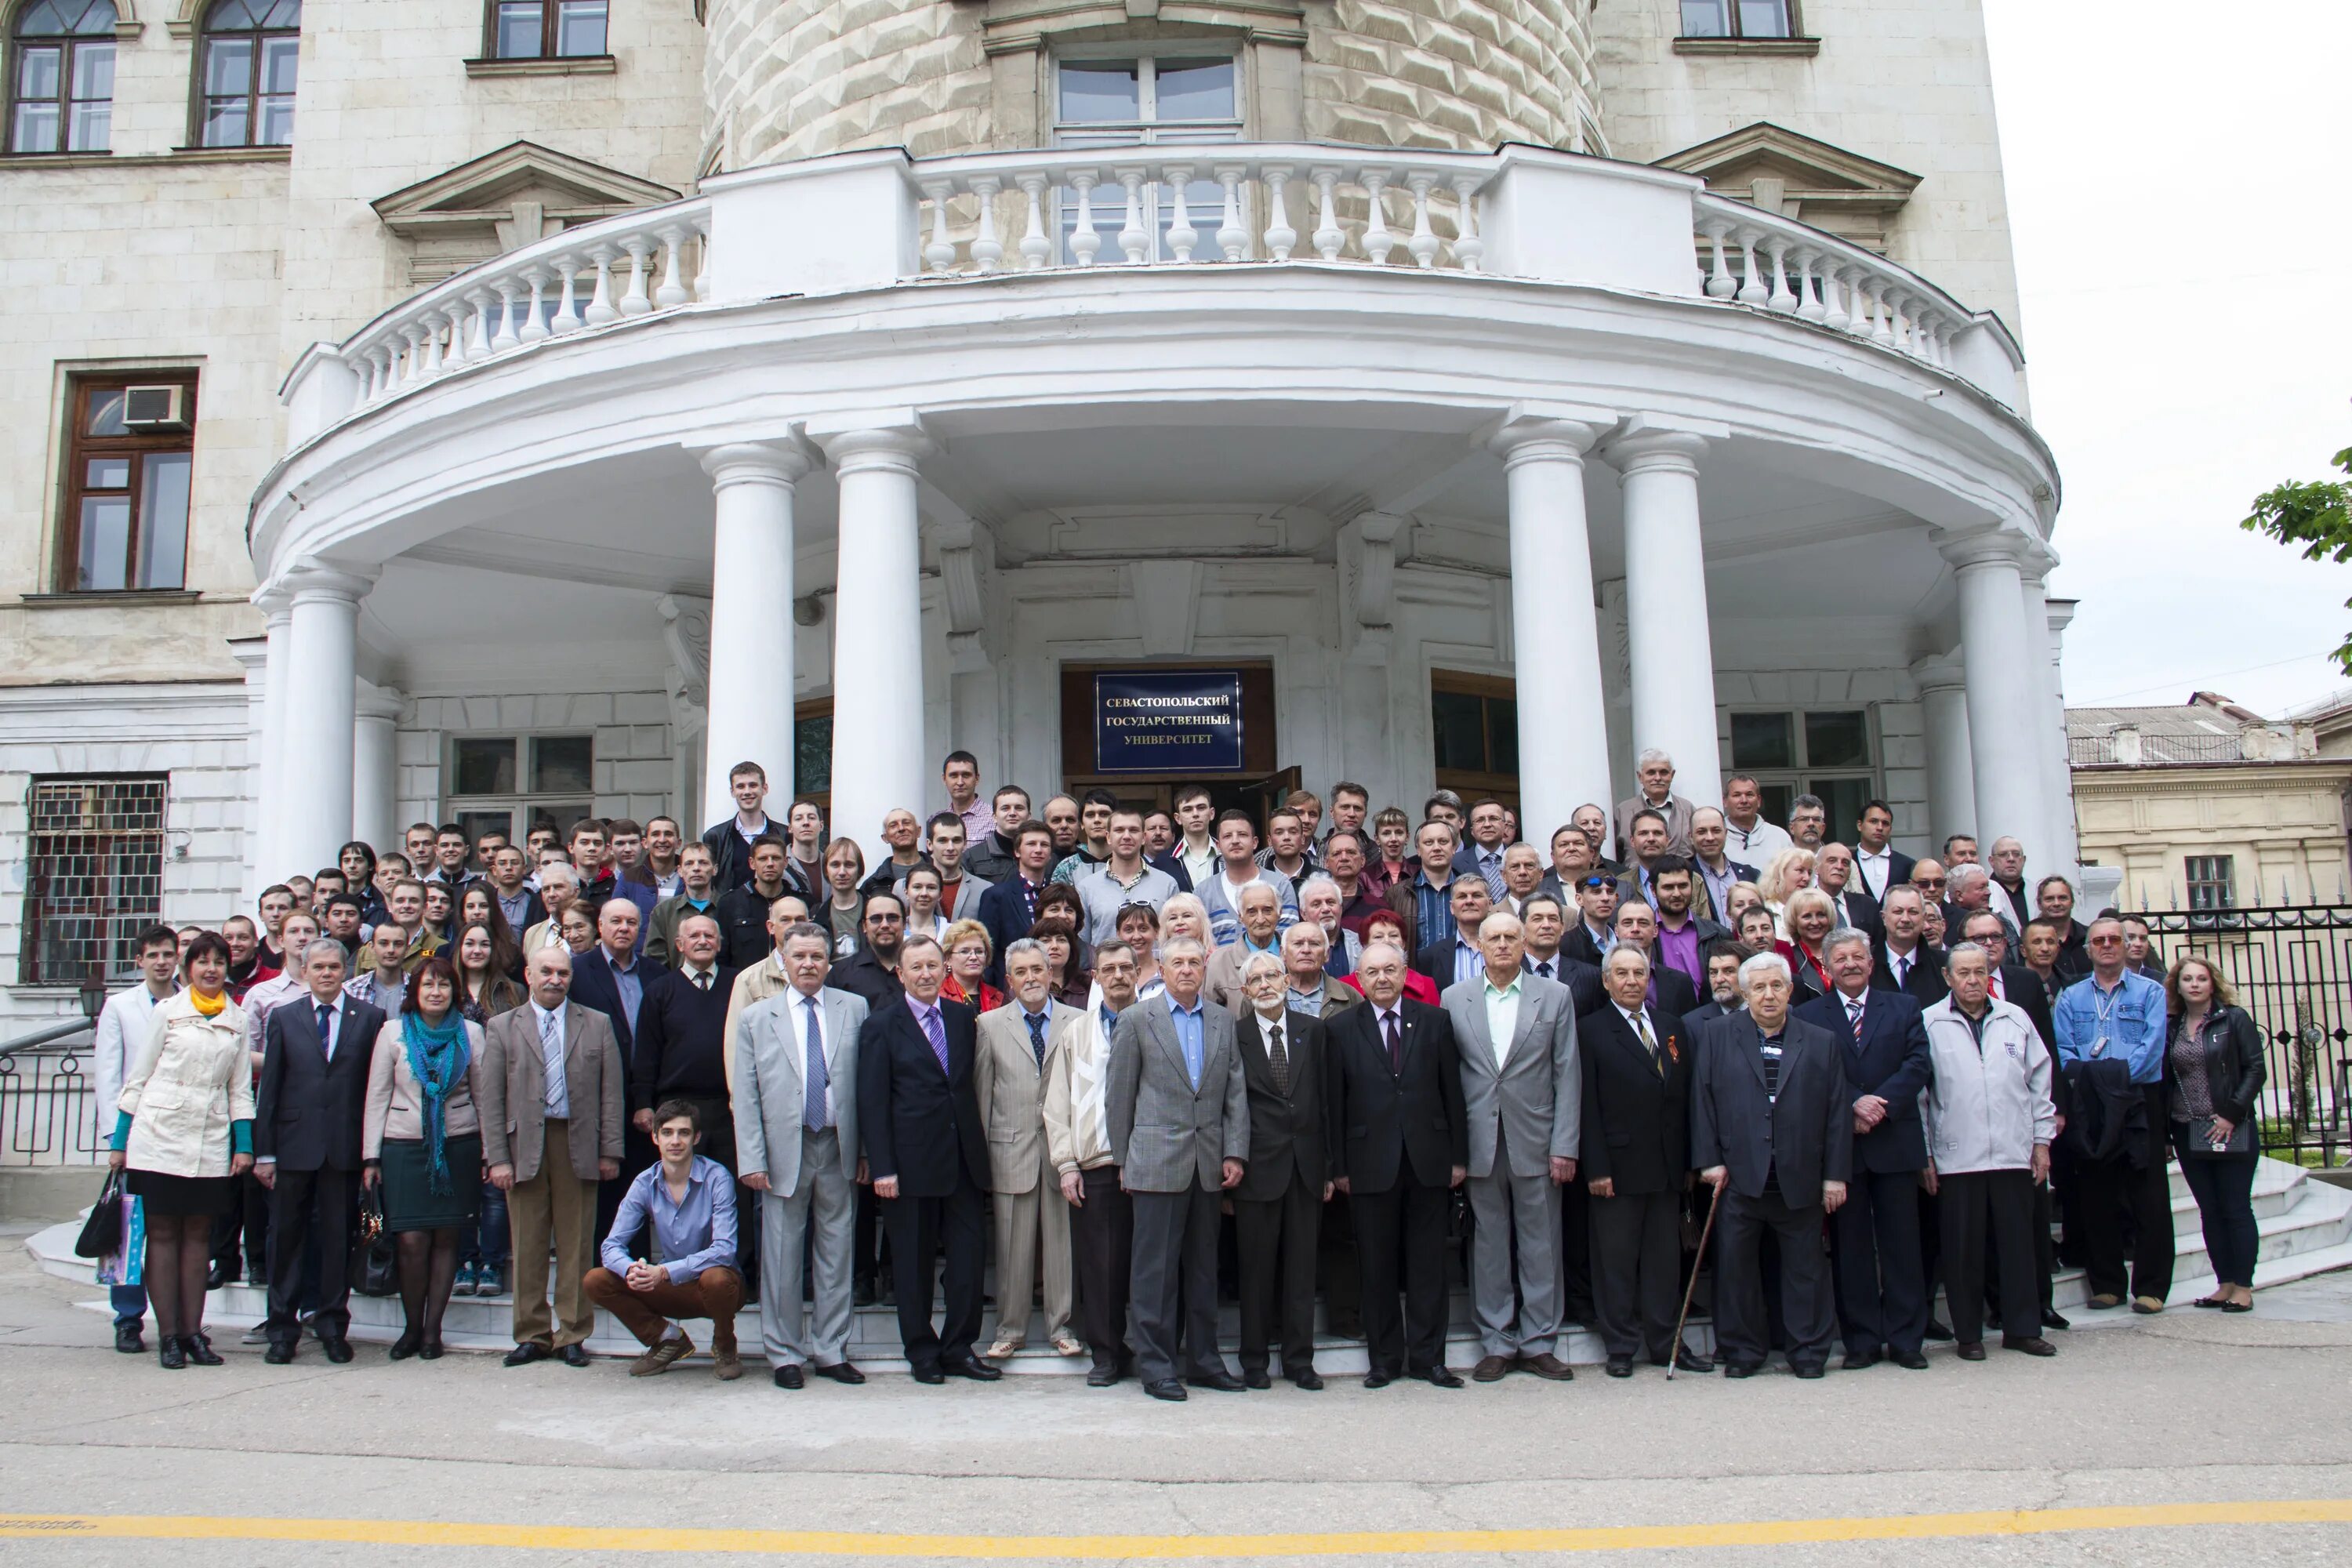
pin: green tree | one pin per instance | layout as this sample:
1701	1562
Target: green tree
2317	515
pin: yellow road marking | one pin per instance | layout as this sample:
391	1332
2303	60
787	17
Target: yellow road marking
1381	1543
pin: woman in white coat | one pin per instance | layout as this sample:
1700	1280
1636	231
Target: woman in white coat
184	1130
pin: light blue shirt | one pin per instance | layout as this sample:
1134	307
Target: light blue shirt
688	1236
1191	1035
2093	1022
1468	961
632	988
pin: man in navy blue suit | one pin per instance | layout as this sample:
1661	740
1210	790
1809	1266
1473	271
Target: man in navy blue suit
1882	1280
613	979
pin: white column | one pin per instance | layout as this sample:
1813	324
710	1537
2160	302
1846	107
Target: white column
375	787
2058	787
2003	684
877	664
1555	645
1951	784
1671	653
314	813
751	680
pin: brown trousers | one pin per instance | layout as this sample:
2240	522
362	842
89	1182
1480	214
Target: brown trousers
553	1207
715	1293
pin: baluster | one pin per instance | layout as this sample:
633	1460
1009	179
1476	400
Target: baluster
1809	289
1720	284
387	356
505	337
372	388
1751	288
459	352
480	348
939	254
634	301
600	305
431	323
1939	346
1328	236
1882	314
1084	241
567	304
1422	245
1182	236
413	363
1378	240
1781	299
1468	248
672	292
1833	296
1281	240
1898	316
535	324
1133	238
987	250
702	259
1035	248
1231	238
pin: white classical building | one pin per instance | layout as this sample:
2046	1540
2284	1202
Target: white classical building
442	411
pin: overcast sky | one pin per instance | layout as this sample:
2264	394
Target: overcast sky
2177	185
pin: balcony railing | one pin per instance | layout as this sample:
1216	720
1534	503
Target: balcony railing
879	220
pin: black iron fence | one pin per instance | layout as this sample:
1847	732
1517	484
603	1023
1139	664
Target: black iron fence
2290	967
49	1110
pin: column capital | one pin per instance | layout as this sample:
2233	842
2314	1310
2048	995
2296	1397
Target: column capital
1940	672
370	701
315	582
1986	547
889	438
275	601
756	462
1646	442
1521	440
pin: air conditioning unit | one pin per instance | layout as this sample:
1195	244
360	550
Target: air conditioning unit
155	408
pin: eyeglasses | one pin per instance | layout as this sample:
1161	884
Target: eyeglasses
1926	881
2106	942
879	918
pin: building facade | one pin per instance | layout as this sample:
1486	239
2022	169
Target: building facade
451	410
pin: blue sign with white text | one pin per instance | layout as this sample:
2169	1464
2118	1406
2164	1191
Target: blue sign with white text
1169	722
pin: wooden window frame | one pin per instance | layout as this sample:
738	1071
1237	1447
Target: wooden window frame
69	45
200	101
1469	783
1736	36
550	21
2222	879
1802	774
81	447
523	799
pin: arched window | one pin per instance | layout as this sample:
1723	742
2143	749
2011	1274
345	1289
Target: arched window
247	73
61	91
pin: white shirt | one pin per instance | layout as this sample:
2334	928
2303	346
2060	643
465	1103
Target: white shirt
690	975
1874	869
1899	965
1635	1020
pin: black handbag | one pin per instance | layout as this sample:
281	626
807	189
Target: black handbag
101	1233
375	1258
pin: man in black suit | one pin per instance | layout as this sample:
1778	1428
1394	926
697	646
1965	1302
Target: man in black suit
918	1114
1637	1063
681	1054
1772	1130
1544	918
1453	955
1878	866
1670	990
1399	1143
1592	936
1833	874
1279	1204
1724	957
310	1101
611	978
1901	959
1881	1279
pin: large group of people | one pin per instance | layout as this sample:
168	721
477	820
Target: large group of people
1129	1063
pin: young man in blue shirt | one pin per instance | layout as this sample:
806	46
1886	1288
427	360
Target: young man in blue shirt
686	1208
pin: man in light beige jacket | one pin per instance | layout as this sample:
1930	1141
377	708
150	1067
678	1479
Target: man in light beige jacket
1012	1066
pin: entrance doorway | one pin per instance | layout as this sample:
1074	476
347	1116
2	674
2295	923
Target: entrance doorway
1256	785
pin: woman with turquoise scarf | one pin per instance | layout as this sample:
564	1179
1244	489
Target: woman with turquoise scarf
423	1144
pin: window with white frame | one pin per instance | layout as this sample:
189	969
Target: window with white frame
516	783
1183	93
2212	881
1739	18
1824	751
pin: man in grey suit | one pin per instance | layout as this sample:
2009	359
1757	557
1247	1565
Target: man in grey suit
552	1091
1772	1130
1011	1067
1522	1094
1178	1106
795	1071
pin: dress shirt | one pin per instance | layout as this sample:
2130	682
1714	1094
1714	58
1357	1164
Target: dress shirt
1857	1010
1638	1020
807	1014
550	1028
1899	965
928	1019
1873	870
979	821
1543	968
2093	1021
1602	940
1755	846
514	909
1199	865
1190	1034
689	1236
1679	950
700	979
267	998
1502	1017
1307	1002
630	984
1719	885
1467	960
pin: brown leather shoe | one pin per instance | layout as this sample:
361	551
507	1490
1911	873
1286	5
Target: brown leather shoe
1547	1365
726	1363
1492	1369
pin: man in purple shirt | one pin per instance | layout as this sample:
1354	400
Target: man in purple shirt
1681	936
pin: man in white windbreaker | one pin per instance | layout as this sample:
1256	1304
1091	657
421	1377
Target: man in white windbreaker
1990	1121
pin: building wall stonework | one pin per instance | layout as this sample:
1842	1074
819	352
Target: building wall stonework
809	77
1464	74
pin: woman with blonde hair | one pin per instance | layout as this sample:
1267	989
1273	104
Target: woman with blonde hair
2213	1071
967	951
1737	900
1791	871
1808	920
1183	915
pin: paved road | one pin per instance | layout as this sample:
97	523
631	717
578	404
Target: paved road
2250	1412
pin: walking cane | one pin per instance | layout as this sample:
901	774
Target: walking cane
1705	1231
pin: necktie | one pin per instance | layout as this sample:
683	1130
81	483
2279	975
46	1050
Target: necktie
550	1050
1037	1039
812	1075
1649	1037
327	1030
702	983
1853	1019
1396	1045
939	1035
1543	969
1279	1059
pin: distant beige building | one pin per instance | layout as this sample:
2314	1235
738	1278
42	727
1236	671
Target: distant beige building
2208	805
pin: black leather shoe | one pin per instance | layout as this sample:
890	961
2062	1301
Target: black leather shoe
1909	1361
1377	1380
1810	1370
1691	1360
1619	1366
1100	1376
1972	1350
168	1353
972	1367
527	1352
216	1276
2051	1317
257	1275
861	1294
406	1345
927	1375
1742	1368
338	1349
1937	1332
1440	1377
430	1348
1256	1377
279	1353
1856	1361
788	1377
572	1355
1220	1382
2033	1345
840	1371
1166	1388
128	1340
1310	1380
198	1348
